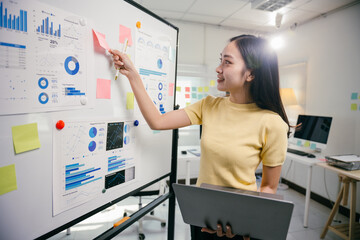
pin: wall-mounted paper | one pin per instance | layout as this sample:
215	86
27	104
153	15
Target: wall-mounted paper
353	107
354	96
206	89
187	89
200	89
103	88
125	33
178	89
187	95
129	100
101	39
171	89
212	83
194	95
7	179
194	89
25	137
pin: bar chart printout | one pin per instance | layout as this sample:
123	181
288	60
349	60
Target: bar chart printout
15	21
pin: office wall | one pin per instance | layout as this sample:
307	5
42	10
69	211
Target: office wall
330	47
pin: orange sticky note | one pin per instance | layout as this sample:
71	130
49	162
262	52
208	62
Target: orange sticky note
101	39
171	89
103	88
125	33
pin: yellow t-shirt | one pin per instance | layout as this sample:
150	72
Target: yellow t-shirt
235	139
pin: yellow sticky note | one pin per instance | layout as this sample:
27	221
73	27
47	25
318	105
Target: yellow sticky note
25	137
212	83
206	89
306	144
7	179
129	100
188	103
353	107
200	89
178	89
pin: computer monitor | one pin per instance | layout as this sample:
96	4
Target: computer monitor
312	131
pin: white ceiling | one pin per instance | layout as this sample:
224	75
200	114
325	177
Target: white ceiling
239	14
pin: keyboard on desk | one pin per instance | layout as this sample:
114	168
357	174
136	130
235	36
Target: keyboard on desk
297	152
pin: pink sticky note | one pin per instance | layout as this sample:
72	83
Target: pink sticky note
187	95
187	89
125	33
103	88
171	89
101	39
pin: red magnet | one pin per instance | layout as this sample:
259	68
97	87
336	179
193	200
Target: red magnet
60	124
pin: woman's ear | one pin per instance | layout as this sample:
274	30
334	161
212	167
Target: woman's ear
250	77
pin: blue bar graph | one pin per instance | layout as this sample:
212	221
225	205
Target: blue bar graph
147	72
70	91
75	177
47	27
115	162
11	21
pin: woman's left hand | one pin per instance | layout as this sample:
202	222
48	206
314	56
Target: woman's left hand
219	231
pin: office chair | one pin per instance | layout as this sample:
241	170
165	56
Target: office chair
150	191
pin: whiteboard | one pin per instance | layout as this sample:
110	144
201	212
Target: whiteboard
58	61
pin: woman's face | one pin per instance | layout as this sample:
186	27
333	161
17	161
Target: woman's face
232	73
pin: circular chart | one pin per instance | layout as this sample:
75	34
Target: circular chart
92	146
43	83
92	132
127	128
159	63
72	65
43	98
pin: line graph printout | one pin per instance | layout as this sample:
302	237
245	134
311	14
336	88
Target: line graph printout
43	62
89	158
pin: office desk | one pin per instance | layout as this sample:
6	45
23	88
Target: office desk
185	161
309	162
346	231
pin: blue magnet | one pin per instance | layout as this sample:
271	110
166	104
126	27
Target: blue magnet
136	123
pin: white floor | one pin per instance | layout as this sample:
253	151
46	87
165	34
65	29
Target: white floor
99	223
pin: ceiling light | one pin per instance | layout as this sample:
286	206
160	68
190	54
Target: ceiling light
269	5
277	42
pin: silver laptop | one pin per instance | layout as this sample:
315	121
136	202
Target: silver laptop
259	215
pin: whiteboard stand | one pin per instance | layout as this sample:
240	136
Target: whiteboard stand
112	232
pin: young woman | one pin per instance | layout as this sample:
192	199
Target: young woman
240	131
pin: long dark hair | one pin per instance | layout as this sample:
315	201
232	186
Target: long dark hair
263	64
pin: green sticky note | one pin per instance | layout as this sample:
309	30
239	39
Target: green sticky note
7	179
193	89
306	144
129	100
194	95
200	96
354	96
353	107
25	137
299	143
